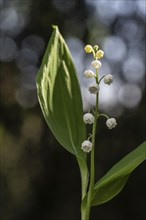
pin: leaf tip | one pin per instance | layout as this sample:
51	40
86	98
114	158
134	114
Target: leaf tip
54	26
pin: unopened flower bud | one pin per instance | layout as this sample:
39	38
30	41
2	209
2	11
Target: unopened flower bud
99	54
94	88
111	123
88	118
86	146
108	79
96	64
88	48
89	74
95	48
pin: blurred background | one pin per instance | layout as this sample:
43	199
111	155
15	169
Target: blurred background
39	179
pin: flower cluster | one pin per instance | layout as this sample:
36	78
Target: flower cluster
94	88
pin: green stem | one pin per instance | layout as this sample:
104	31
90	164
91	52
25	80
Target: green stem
101	79
104	115
92	166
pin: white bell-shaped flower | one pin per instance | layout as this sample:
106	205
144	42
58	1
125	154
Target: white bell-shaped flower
86	146
96	64
108	79
88	118
89	74
94	88
111	123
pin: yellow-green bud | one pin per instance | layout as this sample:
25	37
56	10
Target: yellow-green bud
88	48
95	48
99	54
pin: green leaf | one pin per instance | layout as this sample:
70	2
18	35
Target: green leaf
60	100
59	95
115	179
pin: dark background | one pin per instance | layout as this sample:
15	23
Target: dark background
39	179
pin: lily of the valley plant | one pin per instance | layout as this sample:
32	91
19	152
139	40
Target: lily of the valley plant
61	103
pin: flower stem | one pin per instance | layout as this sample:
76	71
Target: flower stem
92	165
101	79
104	115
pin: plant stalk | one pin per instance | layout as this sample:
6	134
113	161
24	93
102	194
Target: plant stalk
92	164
